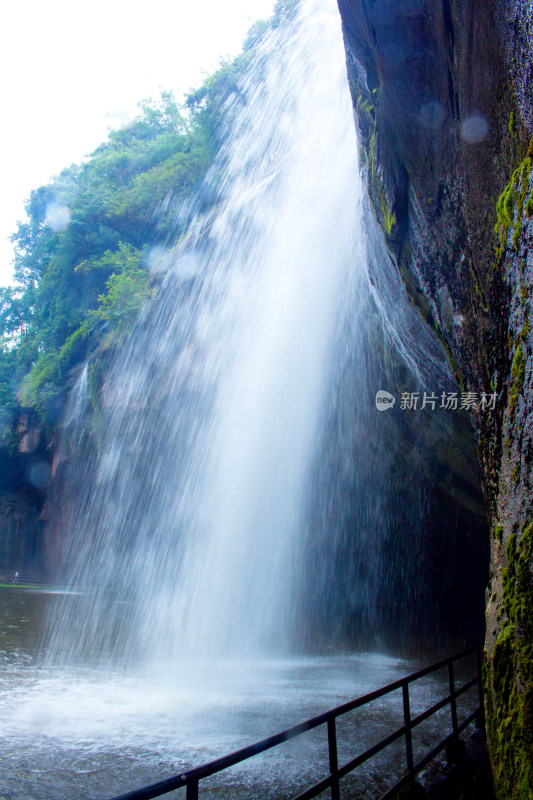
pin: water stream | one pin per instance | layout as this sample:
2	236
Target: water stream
206	541
212	416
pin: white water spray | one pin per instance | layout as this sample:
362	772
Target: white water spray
214	413
236	467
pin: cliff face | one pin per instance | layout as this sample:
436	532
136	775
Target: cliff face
443	99
24	480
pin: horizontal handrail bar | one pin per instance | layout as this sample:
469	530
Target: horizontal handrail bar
210	768
372	751
315	790
452	737
466	687
443	703
405	779
439	665
219	764
430	711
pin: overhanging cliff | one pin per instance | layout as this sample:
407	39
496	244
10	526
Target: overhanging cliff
443	99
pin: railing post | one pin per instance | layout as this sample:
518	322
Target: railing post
453	704
333	759
408	733
192	789
455	748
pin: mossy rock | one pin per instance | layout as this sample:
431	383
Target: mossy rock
510	675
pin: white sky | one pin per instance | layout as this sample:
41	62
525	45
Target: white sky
71	70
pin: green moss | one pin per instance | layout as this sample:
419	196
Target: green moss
453	363
95	378
509	676
523	295
367	108
516	473
524	181
512	124
511	205
519	364
475	281
386	216
389	219
510	551
511	548
498	533
518	369
367	117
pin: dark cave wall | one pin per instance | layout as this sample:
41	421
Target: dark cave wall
24	478
443	98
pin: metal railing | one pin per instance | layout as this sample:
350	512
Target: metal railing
191	778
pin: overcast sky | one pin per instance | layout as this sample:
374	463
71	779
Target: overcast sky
72	70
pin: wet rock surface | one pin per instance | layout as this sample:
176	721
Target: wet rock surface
442	94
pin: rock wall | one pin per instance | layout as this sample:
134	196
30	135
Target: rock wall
24	479
443	98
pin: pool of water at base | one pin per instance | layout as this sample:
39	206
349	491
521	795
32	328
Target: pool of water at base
92	733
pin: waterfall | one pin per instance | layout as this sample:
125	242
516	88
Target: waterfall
243	540
192	532
78	400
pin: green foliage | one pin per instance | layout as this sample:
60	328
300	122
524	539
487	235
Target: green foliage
207	105
212	106
127	289
80	256
13	319
255	34
284	11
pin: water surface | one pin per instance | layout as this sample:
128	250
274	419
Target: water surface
73	733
